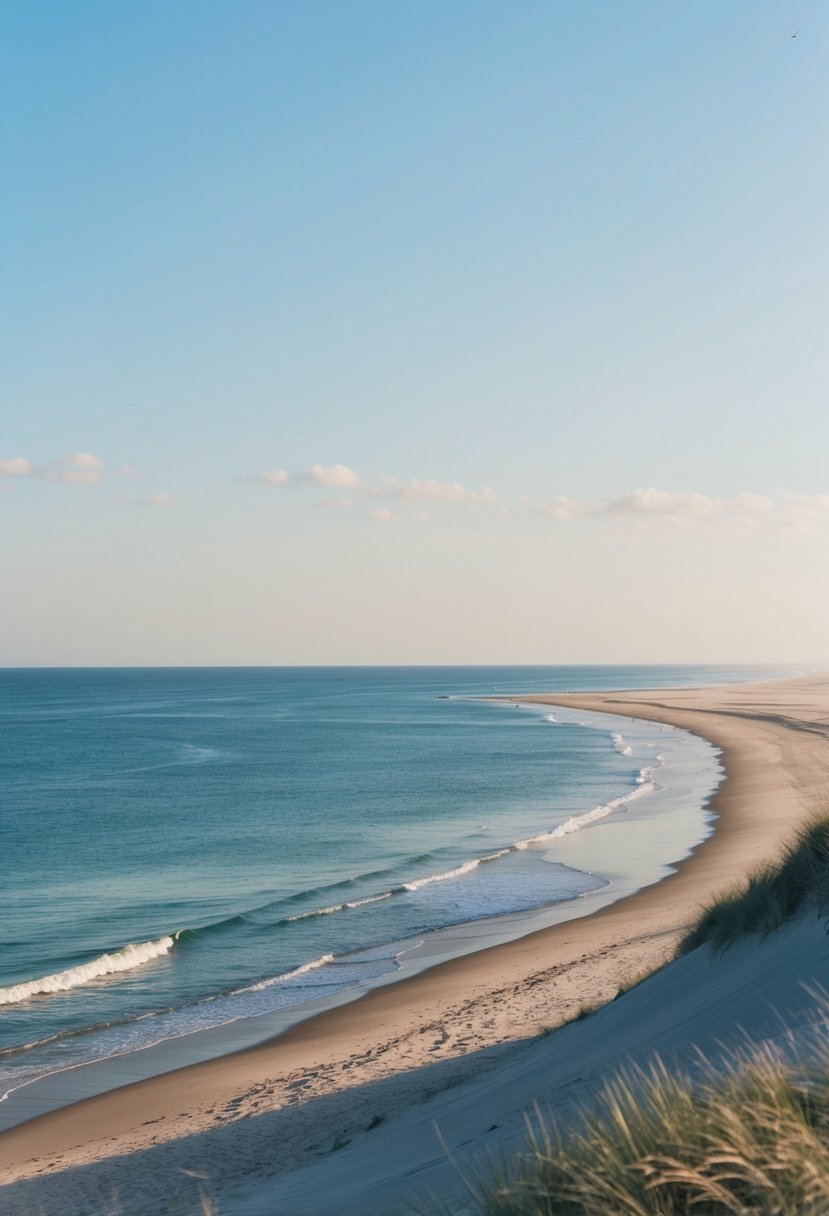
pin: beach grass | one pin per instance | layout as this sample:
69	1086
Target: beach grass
753	1138
771	895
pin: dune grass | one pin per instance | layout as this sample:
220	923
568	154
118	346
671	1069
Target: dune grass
771	895
749	1139
754	1139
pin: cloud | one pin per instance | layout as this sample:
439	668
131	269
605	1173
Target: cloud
334	475
429	490
341	477
741	513
561	509
661	502
17	466
277	477
78	469
649	507
160	499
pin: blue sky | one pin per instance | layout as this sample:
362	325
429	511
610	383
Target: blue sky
570	255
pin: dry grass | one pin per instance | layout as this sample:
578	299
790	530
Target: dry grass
753	1140
771	895
750	1140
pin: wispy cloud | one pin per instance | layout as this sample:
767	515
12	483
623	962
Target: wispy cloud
803	512
341	477
649	507
652	506
78	468
160	499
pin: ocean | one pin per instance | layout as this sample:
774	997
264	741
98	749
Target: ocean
185	848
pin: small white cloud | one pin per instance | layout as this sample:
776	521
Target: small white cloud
126	470
77	469
83	460
275	477
383	515
17	466
334	475
429	490
161	499
439	491
661	502
561	509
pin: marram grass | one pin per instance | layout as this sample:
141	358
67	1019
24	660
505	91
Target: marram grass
771	895
751	1141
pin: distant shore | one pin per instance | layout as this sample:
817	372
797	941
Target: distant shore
281	1105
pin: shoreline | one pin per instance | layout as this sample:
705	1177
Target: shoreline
622	857
469	1012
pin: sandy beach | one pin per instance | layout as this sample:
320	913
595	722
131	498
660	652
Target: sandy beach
292	1123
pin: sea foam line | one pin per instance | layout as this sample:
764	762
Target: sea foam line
106	964
644	785
349	903
575	822
624	749
287	975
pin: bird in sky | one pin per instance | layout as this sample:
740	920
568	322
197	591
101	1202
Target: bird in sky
794	35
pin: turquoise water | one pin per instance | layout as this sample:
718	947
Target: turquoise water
184	847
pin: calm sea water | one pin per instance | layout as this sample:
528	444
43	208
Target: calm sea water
184	847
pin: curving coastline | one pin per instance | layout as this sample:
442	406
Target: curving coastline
461	1015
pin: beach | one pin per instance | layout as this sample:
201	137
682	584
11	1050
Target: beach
292	1122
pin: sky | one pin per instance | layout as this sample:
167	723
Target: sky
414	332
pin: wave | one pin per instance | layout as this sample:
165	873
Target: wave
106	964
287	975
349	903
464	868
576	822
624	749
644	785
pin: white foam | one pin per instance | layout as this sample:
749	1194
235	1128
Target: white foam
463	868
624	749
551	718
287	975
576	822
106	964
351	903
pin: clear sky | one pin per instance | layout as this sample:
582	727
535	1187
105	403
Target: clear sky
347	331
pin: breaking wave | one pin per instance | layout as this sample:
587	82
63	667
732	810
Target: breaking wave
286	975
106	964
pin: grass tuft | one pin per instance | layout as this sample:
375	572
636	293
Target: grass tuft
754	1139
771	895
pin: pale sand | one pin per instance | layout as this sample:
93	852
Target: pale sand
251	1121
